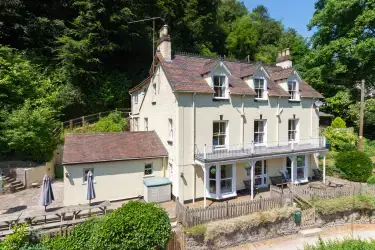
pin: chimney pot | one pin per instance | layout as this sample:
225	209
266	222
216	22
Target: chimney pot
164	44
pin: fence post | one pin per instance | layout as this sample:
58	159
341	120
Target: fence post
227	208
71	124
83	121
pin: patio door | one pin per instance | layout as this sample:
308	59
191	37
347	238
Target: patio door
260	174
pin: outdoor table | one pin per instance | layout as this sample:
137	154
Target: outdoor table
10	219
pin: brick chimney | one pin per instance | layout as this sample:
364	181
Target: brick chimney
164	43
284	60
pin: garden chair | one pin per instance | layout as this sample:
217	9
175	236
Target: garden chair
317	174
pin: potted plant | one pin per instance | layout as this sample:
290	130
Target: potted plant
213	171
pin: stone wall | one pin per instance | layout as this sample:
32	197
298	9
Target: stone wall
264	231
342	218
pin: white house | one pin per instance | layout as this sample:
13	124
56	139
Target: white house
216	116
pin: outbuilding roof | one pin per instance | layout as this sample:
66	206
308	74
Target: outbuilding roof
103	147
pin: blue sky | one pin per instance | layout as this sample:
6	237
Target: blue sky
293	13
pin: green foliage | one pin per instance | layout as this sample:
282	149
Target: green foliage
369	147
16	240
369	114
341	139
114	122
338	104
371	179
197	231
344	203
346	244
354	165
338	122
29	131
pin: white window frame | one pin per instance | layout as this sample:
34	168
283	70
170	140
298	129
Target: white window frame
218	194
264	143
295	131
264	89
223	84
84	177
146	124
152	170
227	178
294	91
170	130
220	133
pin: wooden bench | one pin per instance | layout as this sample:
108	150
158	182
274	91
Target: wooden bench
277	181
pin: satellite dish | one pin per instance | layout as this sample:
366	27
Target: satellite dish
318	103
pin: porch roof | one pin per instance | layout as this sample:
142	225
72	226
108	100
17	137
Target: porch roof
260	153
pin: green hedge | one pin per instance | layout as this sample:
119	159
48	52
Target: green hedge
354	165
347	244
371	179
344	203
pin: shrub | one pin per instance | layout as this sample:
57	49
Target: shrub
18	239
354	165
338	123
135	225
371	179
344	203
340	139
344	244
216	228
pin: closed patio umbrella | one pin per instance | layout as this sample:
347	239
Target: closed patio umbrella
46	197
90	187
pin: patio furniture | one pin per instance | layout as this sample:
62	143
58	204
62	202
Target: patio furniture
277	180
317	174
335	184
248	187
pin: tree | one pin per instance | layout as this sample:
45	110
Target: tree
338	123
344	41
338	105
369	117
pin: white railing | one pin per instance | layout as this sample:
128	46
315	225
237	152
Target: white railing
209	152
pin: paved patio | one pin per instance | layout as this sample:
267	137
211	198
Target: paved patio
29	199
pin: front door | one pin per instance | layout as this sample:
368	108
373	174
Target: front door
260	174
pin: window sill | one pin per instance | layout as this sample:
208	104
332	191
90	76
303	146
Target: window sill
261	100
294	100
260	145
149	176
85	183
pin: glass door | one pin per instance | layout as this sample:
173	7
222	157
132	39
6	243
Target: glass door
301	168
260	174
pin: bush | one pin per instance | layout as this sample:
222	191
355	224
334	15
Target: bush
344	203
18	239
245	223
371	179
135	225
341	139
354	165
349	244
338	123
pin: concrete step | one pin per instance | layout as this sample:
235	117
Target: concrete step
174	224
20	184
16	189
310	232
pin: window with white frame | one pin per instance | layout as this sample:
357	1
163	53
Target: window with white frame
212	179
146	124
170	128
259	131
260	88
136	97
226	179
292	130
219	134
148	169
293	90
85	173
220	87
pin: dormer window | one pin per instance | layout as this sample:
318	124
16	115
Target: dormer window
260	88
293	90
220	86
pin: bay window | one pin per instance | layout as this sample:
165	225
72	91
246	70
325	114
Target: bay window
226	179
212	179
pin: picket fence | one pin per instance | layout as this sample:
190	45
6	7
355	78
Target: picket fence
308	217
190	217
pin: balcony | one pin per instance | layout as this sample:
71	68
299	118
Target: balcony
207	153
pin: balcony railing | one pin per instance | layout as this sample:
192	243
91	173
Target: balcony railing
244	150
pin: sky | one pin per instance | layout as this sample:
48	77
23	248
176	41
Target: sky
293	13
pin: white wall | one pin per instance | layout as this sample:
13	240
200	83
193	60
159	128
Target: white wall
113	180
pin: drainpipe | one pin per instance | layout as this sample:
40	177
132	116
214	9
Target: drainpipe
311	118
243	122
278	121
194	136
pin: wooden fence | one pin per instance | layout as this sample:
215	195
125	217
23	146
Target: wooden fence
308	217
177	242
190	217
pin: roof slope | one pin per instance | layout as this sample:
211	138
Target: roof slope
186	73
101	147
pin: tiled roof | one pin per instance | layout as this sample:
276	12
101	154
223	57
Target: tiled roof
185	74
306	90
102	147
139	86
